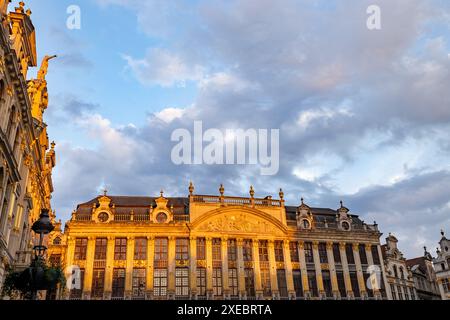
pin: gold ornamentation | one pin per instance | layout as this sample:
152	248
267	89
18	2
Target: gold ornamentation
201	263
182	263
238	223
248	264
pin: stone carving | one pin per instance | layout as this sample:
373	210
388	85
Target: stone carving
238	223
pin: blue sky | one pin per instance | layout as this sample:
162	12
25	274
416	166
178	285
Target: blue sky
364	116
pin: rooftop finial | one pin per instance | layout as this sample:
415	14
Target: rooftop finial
191	188
53	144
221	189
252	191
281	194
161	192
302	200
342	203
442	232
105	191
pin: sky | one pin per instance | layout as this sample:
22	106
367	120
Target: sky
363	115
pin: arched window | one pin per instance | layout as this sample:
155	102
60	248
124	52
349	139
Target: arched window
402	273
57	241
395	271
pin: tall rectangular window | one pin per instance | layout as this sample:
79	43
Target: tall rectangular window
341	283
293	251
279	256
233	281
375	256
323	257
349	253
98	283
336	253
249	282
217	282
55	259
120	249
160	249
201	281
100	248
312	282
139	283
118	283
265	282
326	280
298	284
140	249
160	282
216	249
362	253
232	250
369	290
77	284
263	251
182	249
80	248
309	258
282	286
182	282
354	282
247	250
201	249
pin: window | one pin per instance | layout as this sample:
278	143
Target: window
367	285
446	285
394	294
265	282
375	256
326	279
120	249
282	286
80	248
400	293
279	256
182	282
309	258
395	271
217	282
354	282
305	224
57	241
349	253
161	249
100	248
139	282
402	273
19	218
247	250
249	282
411	293
77	284
293	250
103	217
362	254
182	249
263	251
312	283
98	283
232	250
201	251
201	281
161	217
298	284
216	250
341	283
140	249
233	281
345	225
160	282
55	260
323	257
118	283
336	253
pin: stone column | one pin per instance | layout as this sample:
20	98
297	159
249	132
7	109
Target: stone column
332	267
193	267
373	276
305	284
241	268
129	268
359	271
224	251
288	270
171	269
109	268
383	271
89	269
441	289
69	260
318	268
209	286
348	284
273	270
257	269
149	270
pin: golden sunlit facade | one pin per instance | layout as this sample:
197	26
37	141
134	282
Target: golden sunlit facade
216	247
26	155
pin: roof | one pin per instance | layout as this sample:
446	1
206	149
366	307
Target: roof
419	261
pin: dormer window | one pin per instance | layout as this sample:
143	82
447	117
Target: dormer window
161	217
103	217
306	224
57	241
345	226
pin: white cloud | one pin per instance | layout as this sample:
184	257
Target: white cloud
169	114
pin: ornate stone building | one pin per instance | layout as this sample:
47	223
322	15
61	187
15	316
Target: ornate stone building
217	247
399	276
424	276
442	267
26	156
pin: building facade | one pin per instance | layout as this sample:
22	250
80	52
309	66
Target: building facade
217	247
442	267
399	276
424	276
26	156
